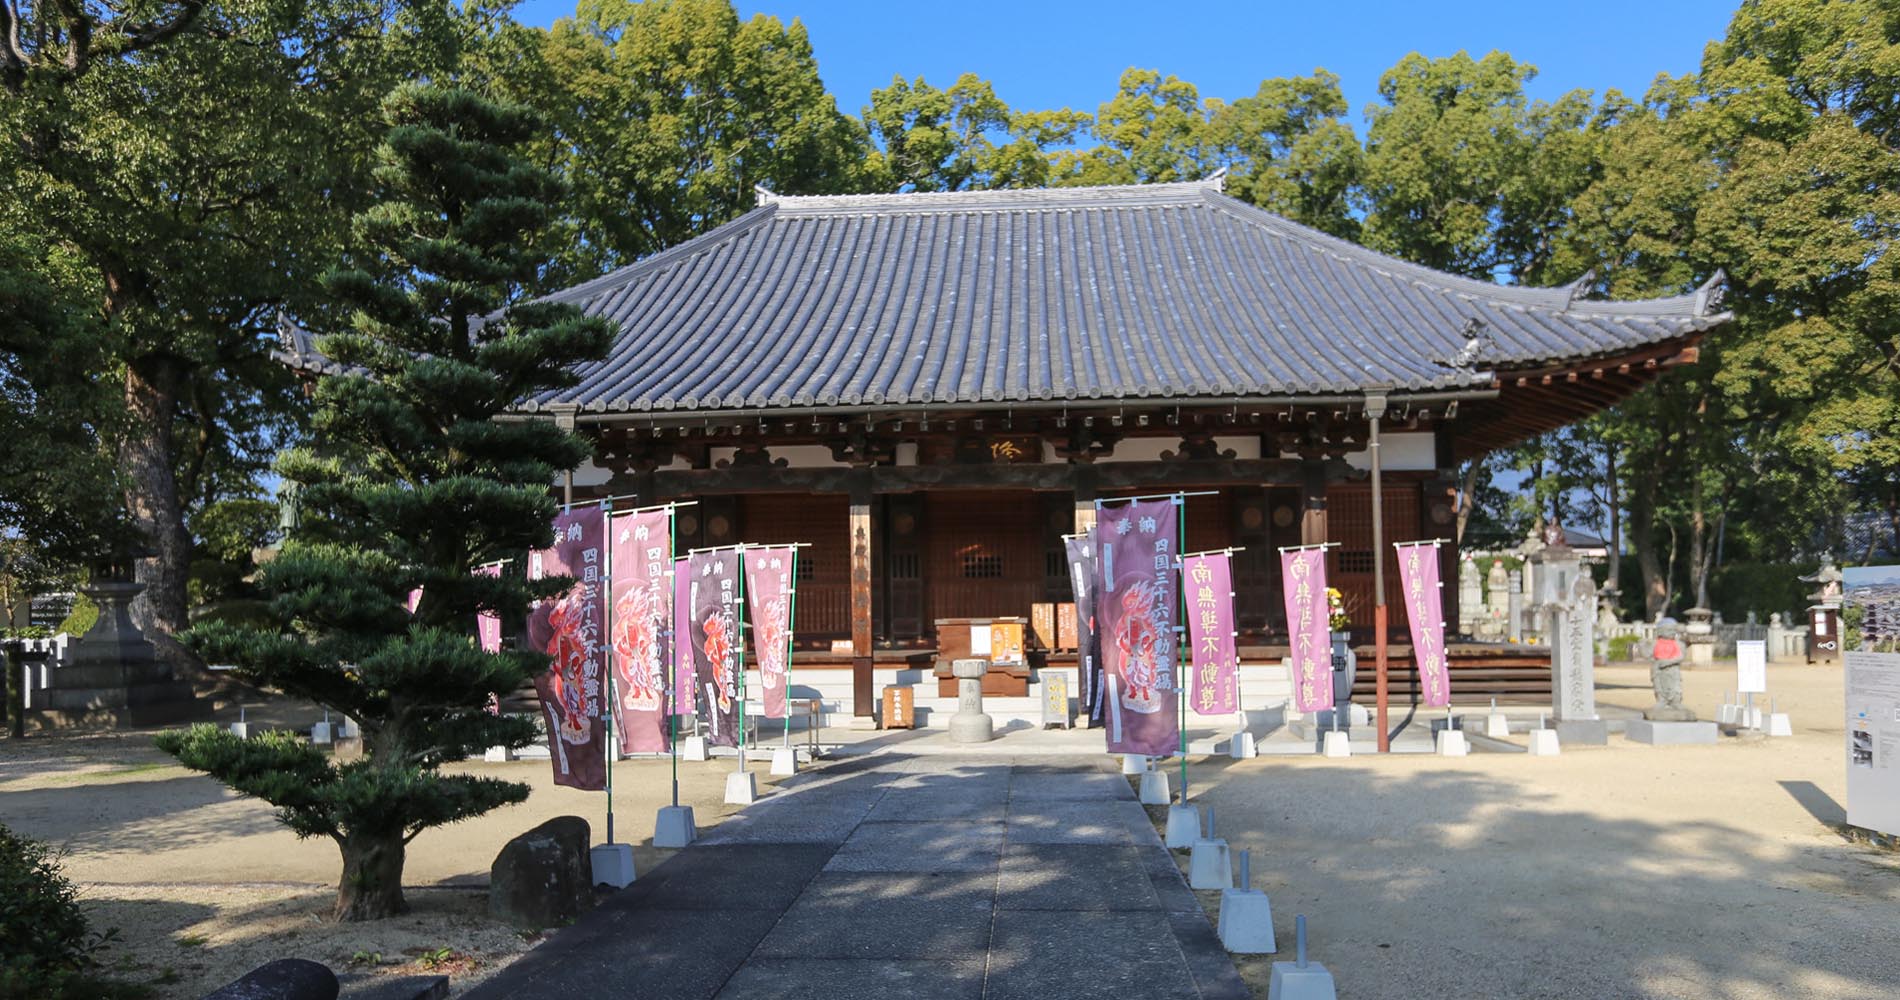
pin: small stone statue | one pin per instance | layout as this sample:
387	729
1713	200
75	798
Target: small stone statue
1665	675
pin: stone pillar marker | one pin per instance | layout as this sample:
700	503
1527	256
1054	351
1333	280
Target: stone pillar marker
114	676
1470	598
1568	594
970	724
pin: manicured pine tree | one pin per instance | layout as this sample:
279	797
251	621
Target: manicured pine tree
412	482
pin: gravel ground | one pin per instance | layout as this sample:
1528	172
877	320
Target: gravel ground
1700	873
204	885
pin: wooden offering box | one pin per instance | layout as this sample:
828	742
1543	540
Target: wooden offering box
998	640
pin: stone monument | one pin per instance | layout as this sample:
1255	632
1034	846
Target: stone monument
1568	597
114	676
1514	611
1699	635
1497	583
1665	675
970	724
1470	598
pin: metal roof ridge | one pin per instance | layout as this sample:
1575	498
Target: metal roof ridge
1175	193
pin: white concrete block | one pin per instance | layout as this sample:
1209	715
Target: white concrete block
1727	714
613	864
495	755
784	761
241	730
693	748
1452	743
1210	865
1184	827
1497	726
674	827
320	734
1154	788
1293	981
1544	743
1335	744
1246	922
1241	746
1780	725
1358	715
1135	764
742	789
1750	718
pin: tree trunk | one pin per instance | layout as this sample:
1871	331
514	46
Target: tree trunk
371	888
1643	542
1465	499
1698	551
152	384
1616	521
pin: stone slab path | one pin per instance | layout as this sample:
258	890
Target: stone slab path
904	876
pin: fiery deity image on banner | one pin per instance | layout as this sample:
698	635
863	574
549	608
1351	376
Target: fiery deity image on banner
1136	570
568	629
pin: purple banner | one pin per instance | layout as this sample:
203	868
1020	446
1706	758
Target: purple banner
768	598
1303	576
1425	611
680	638
1209	580
1088	653
488	623
714	631
642	552
568	629
1136	545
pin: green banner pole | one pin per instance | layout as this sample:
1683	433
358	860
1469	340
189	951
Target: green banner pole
1180	635
791	629
739	644
607	586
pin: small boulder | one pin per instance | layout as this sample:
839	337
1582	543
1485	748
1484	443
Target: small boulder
542	878
284	979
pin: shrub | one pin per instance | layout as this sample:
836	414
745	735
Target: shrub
1621	647
50	951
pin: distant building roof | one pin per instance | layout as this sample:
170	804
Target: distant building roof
1158	291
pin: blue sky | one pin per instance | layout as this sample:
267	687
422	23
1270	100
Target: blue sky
1049	55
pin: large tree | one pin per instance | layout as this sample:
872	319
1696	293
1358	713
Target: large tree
963	138
197	161
411	484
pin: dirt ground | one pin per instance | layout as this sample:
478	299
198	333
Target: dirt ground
204	885
1690	873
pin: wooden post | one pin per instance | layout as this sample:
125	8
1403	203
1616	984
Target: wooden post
1313	501
863	699
1084	488
1375	408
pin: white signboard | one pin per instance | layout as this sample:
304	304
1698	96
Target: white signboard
1751	666
980	641
1873	740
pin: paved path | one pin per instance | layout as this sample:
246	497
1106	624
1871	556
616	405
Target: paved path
910	877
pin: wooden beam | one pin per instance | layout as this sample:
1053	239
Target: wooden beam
863	697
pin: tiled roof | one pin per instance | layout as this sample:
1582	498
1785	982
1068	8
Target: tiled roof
1169	291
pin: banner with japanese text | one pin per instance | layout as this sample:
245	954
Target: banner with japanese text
1209	582
680	638
1425	611
1136	545
768	596
643	612
488	623
568	629
1081	550
713	594
1303	577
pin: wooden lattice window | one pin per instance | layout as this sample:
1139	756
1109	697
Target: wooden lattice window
982	566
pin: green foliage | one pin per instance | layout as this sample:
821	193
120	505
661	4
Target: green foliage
50	950
963	138
81	618
411	483
1621	646
1737	588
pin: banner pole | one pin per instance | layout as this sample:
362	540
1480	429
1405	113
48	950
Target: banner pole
791	629
672	665
1180	635
739	644
613	695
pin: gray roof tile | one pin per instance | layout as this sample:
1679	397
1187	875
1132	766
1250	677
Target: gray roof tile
1165	290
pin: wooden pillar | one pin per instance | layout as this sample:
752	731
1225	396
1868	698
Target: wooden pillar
1083	476
1312	501
863	698
1375	409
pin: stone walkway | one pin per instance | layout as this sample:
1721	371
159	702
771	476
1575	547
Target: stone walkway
904	876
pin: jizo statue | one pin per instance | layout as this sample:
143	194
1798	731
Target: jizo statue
1665	675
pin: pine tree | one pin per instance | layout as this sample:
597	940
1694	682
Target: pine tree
413	483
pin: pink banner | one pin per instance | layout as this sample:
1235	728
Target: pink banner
642	553
718	651
1209	580
682	639
768	594
1425	610
568	629
1303	577
488	623
1136	549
